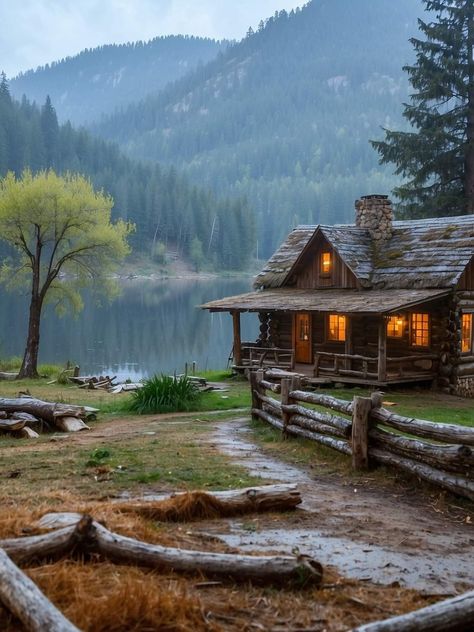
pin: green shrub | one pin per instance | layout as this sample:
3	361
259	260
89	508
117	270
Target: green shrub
164	394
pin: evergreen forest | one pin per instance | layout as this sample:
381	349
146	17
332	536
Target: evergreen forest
100	80
285	116
169	212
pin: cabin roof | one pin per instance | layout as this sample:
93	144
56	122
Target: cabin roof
424	253
325	300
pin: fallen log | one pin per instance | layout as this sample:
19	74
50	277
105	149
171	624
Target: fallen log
8	376
35	547
91	537
23	598
27	433
183	506
451	615
300	570
11	425
70	424
49	411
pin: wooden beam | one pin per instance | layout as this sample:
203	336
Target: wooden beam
237	339
349	345
382	355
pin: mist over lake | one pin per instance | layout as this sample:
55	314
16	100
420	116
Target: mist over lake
153	327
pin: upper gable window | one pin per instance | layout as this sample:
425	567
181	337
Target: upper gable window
466	340
326	263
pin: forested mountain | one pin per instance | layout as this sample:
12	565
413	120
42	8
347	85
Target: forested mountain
99	80
285	116
167	210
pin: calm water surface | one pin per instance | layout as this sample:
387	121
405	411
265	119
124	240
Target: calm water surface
153	327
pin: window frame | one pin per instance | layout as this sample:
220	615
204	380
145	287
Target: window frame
412	330
471	333
322	273
398	317
328	328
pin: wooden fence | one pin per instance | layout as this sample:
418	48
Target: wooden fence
363	429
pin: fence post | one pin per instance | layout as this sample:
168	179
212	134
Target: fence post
253	378
285	400
361	408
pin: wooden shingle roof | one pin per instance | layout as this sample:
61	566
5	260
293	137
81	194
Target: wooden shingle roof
426	253
325	300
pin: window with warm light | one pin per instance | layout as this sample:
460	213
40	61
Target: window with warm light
395	327
420	330
326	264
337	328
466	340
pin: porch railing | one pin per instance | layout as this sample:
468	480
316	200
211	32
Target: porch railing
257	357
367	367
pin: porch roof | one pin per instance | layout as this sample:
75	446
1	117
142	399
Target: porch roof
334	301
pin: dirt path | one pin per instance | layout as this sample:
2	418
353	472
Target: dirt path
363	530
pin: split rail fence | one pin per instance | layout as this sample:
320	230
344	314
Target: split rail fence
364	430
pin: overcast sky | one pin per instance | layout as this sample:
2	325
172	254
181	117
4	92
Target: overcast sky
35	32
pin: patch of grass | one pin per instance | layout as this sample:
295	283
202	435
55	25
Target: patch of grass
10	365
164	394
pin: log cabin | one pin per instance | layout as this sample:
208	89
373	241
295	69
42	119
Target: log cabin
377	302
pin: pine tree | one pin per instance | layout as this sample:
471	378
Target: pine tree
436	157
50	129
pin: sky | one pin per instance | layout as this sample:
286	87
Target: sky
36	32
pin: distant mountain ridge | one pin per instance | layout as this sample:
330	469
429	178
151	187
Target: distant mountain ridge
99	80
285	116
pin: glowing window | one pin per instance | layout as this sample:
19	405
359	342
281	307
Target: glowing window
466	341
337	327
395	327
420	330
326	263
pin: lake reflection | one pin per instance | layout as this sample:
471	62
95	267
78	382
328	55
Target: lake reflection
153	327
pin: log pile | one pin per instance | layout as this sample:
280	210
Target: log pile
27	417
75	534
94	382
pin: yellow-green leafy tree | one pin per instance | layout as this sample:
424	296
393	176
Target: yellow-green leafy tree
62	241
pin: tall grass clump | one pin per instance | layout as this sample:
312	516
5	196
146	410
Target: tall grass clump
164	394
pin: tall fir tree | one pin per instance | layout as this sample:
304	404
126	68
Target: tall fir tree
436	157
50	129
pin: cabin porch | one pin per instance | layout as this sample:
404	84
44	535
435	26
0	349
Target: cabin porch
340	367
360	337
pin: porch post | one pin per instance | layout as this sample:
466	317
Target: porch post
349	345
237	341
382	363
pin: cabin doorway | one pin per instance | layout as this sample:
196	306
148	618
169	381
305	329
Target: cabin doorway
302	337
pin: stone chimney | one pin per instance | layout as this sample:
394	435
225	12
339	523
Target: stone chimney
374	212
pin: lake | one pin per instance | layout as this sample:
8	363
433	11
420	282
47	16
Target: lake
153	327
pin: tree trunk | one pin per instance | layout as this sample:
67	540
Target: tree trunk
469	153
29	367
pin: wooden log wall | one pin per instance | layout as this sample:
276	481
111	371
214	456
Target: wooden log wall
309	274
448	463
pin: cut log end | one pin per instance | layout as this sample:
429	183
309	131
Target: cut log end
70	424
